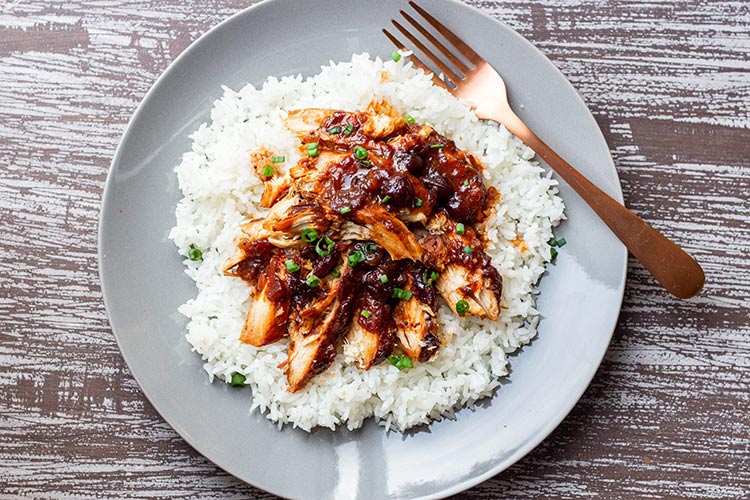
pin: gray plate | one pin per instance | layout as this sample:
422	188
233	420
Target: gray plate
143	280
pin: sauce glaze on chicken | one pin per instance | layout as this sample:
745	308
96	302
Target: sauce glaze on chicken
379	219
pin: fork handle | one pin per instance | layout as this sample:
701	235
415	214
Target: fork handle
677	271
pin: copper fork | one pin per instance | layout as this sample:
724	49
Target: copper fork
482	86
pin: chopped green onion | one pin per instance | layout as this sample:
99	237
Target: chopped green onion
383	279
468	250
238	380
418	202
278	159
552	254
195	254
557	243
365	163
334	130
312	149
437	146
291	266
400	362
428	279
466	182
324	246
366	313
399	293
345	210
336	273
355	258
396	56
460	229
309	235
312	281
348	130
371	248
462	307
385	199
268	171
410	119
360	153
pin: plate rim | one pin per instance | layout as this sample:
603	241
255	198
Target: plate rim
460	486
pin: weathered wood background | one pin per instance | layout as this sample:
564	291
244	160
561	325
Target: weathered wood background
668	414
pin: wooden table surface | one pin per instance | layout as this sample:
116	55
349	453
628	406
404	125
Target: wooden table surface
668	413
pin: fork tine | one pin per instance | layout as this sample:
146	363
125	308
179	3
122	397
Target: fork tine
447	71
458	63
417	62
467	51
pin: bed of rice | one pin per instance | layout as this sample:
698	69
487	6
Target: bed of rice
221	189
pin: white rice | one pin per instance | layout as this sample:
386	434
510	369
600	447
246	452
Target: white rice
221	189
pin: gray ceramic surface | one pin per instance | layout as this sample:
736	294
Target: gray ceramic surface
143	280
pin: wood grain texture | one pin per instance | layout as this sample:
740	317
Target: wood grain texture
667	415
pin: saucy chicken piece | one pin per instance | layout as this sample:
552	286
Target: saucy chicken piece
269	307
274	189
371	333
416	323
456	178
466	273
313	337
379	225
334	128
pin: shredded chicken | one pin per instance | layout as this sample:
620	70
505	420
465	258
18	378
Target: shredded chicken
378	219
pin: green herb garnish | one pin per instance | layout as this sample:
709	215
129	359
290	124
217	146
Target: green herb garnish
427	279
278	159
400	362
348	130
398	293
312	281
385	199
324	246
462	307
237	380
410	119
309	235
418	202
366	313
312	149
396	56
468	250
268	171
383	279
460	229
334	130
194	253
371	248
360	153
437	146
291	266
557	243
345	210
336	273
355	258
